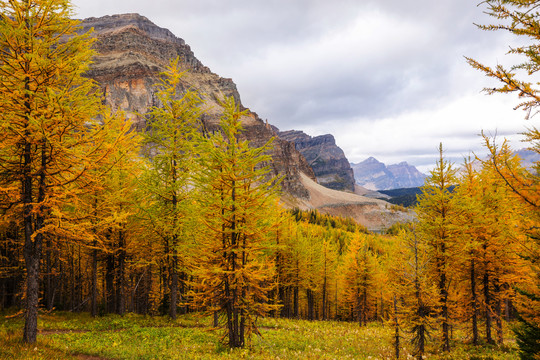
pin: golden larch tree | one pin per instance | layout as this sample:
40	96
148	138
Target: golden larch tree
437	212
234	269
47	110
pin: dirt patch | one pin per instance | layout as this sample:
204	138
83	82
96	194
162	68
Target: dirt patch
374	214
61	331
90	357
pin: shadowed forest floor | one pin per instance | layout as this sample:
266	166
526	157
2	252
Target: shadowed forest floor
66	335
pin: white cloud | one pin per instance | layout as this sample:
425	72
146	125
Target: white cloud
386	77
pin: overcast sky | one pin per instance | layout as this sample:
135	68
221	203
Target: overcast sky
387	78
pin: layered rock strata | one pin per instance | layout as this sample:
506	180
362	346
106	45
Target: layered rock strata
328	161
131	53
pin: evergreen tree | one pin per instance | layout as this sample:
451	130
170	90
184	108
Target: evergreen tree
234	269
437	213
47	110
521	18
171	143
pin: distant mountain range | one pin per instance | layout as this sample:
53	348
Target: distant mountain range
375	175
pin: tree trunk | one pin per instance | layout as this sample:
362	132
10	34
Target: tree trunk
32	251
296	294
310	304
443	298
474	304
364	304
121	275
94	295
396	329
32	248
324	315
48	282
487	300
174	285
109	283
498	312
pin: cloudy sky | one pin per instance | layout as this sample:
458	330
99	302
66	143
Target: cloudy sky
387	78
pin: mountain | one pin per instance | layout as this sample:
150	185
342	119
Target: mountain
328	161
375	175
132	51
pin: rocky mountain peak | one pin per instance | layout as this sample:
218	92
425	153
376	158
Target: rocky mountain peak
131	53
328	161
371	160
375	175
119	22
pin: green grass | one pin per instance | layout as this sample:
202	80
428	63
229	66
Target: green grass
66	335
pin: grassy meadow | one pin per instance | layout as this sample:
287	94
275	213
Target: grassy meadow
64	335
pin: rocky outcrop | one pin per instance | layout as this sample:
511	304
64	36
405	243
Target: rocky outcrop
331	167
375	175
132	51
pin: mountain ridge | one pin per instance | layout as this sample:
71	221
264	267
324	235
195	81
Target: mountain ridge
375	175
132	51
328	161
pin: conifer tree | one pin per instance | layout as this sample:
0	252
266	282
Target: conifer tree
522	19
329	266
234	269
358	278
109	206
411	283
171	142
437	213
471	217
47	109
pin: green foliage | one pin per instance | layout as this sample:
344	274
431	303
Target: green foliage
73	336
528	339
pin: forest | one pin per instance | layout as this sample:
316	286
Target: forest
178	220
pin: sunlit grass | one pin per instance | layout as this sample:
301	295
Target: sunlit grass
66	335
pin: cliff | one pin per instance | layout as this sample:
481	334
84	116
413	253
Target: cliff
331	167
132	51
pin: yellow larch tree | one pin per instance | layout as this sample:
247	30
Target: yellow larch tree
48	108
234	270
171	139
413	289
437	214
358	274
522	19
471	218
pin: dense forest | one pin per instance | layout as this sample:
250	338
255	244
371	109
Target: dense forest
176	219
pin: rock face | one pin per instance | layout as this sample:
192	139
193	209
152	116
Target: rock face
327	160
375	175
132	51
